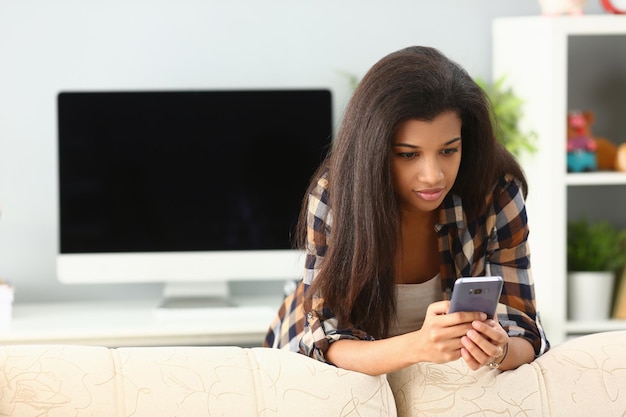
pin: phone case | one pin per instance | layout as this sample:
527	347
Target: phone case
476	294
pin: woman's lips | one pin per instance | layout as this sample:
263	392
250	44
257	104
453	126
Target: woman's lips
430	194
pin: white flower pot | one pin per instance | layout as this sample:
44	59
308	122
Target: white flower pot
590	295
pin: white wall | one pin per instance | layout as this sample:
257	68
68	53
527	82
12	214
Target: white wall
51	45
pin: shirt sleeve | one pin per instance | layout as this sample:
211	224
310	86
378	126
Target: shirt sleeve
321	326
508	255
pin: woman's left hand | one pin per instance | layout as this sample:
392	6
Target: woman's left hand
484	344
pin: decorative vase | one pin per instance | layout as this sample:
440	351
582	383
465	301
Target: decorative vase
590	295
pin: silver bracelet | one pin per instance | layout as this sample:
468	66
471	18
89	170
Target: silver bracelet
505	351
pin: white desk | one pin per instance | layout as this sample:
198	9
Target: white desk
139	323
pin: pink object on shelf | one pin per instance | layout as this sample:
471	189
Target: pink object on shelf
558	7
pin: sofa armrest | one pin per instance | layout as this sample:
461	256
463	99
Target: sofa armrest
57	380
585	376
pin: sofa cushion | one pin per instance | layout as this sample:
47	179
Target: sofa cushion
61	381
585	376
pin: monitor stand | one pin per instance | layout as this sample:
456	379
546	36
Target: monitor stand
196	295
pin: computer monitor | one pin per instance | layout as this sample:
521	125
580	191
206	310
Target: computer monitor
190	188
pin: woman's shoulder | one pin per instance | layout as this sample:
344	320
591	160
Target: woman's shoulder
318	196
508	184
507	200
320	185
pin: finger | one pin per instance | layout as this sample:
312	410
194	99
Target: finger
439	307
494	324
440	328
467	316
473	356
442	307
469	360
491	330
487	347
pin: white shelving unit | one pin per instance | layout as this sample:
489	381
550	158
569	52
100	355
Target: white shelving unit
556	64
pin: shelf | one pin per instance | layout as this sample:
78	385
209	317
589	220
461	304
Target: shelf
586	25
556	64
596	178
584	327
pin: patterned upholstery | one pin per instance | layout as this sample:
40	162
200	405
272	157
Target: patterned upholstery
77	381
582	377
585	376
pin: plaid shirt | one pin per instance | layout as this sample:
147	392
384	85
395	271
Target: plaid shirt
495	243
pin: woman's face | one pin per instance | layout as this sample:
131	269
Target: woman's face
425	159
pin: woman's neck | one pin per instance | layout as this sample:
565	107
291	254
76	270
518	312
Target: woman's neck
417	259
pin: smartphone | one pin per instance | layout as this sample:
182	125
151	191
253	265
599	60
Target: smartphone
476	294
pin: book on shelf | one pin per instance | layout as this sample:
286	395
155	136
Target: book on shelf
619	309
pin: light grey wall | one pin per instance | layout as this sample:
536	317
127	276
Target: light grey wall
52	45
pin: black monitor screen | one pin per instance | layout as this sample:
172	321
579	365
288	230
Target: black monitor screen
186	170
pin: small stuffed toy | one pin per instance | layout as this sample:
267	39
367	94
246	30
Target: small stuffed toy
586	152
620	163
581	146
610	157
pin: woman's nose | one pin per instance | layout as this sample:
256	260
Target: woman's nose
430	172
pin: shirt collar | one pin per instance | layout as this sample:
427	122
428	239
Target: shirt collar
451	212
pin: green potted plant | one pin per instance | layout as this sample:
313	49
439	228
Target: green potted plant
595	251
507	113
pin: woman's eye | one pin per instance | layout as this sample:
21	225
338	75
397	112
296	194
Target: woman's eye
407	155
449	151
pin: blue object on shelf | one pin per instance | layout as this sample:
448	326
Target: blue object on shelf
581	161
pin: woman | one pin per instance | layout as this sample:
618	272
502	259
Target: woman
415	193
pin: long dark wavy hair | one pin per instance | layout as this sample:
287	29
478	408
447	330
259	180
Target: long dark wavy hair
356	278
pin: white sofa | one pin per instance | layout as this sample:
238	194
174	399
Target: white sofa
582	377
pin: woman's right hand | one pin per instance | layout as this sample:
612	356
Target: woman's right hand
439	339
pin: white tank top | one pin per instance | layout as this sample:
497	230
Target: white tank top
412	300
